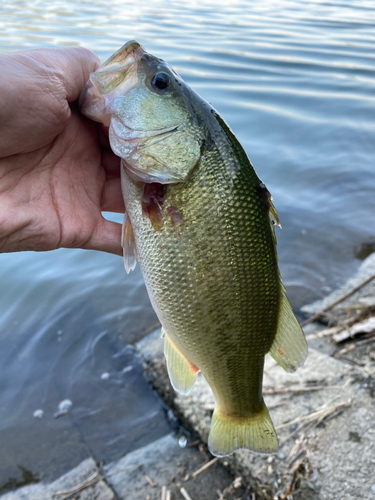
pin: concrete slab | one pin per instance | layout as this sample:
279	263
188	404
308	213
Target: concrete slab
327	459
76	476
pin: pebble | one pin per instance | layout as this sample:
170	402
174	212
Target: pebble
182	442
64	407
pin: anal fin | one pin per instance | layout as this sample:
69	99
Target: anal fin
128	244
182	373
289	348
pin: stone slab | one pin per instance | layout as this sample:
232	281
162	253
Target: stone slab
165	463
42	491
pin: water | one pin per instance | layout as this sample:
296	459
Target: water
295	80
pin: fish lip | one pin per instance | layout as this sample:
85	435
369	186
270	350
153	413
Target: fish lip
94	101
137	135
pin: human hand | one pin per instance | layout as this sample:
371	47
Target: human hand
57	172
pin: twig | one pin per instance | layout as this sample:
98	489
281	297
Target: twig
369	371
135	466
356	361
185	494
316	415
235	484
345	350
163	492
193	444
281	390
91	481
337	301
179	472
204	467
150	481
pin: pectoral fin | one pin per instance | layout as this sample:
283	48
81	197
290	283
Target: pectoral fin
289	348
182	373
128	244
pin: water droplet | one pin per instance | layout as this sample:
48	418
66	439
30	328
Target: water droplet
59	332
64	407
38	414
182	442
104	376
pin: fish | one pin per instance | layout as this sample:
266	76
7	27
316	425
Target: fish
201	224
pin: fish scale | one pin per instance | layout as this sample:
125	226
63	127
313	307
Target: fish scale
200	222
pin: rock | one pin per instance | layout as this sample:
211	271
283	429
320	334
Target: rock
328	459
41	491
165	463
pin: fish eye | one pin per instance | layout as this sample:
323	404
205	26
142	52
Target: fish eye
160	81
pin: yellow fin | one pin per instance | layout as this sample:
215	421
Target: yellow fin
273	214
182	373
289	348
128	244
229	433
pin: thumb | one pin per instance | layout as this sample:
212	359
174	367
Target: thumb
77	63
72	65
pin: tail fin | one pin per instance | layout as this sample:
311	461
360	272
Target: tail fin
229	433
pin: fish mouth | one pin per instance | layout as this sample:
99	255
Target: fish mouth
125	133
115	78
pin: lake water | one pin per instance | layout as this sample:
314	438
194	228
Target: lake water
295	81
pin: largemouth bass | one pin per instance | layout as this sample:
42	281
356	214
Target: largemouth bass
201	224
